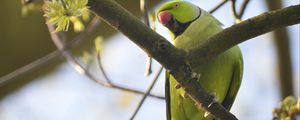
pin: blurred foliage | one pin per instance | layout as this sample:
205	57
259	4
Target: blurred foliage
78	26
99	44
86	57
289	109
30	7
25	39
126	99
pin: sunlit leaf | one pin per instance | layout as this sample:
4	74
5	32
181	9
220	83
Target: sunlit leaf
62	24
289	107
61	16
78	25
99	44
86	15
29	8
86	57
152	19
287	102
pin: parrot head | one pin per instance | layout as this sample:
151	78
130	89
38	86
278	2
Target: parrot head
178	15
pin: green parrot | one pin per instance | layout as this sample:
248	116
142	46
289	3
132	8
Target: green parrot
191	26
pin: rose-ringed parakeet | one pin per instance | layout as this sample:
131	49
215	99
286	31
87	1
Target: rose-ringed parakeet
191	26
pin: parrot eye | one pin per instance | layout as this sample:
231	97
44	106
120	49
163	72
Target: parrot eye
176	5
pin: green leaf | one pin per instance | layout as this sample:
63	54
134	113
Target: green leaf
61	16
62	24
78	25
86	57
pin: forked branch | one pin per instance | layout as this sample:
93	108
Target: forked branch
178	61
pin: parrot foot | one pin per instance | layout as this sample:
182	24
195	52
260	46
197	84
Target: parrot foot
185	96
195	76
206	114
200	106
214	98
177	86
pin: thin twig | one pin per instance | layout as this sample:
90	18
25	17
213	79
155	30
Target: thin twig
238	16
102	69
56	54
179	62
95	23
148	69
147	93
113	85
57	39
234	11
136	91
51	56
29	67
144	10
218	6
243	8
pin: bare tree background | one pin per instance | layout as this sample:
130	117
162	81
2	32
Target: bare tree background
9	81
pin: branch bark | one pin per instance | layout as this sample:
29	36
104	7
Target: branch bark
243	31
282	44
58	38
178	61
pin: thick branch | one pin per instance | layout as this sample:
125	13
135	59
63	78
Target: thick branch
58	39
174	59
154	44
243	31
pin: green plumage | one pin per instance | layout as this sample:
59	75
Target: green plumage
221	76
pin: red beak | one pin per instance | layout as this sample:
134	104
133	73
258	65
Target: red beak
164	17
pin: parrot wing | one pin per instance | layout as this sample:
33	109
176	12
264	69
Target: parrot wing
234	85
167	95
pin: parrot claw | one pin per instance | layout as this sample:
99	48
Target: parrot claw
177	86
206	114
195	76
214	98
185	96
200	106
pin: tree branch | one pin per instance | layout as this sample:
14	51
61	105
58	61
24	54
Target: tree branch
236	15
51	56
282	43
214	9
154	44
146	93
58	38
144	9
177	61
10	77
243	31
